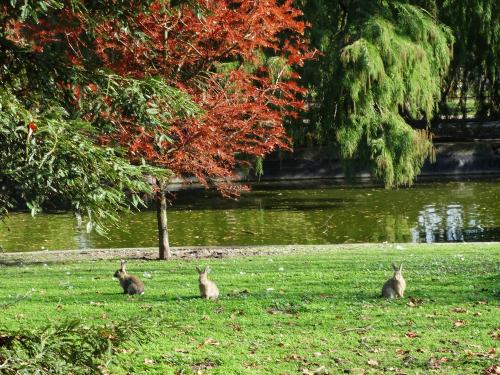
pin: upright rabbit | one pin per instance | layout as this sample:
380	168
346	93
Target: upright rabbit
208	289
395	287
130	284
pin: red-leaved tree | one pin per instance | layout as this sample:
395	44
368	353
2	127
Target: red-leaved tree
236	59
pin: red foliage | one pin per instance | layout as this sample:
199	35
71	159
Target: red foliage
243	109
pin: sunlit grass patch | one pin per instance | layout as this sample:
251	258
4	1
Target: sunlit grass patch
319	311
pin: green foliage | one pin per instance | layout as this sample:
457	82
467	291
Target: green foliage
56	161
55	116
380	69
72	347
150	102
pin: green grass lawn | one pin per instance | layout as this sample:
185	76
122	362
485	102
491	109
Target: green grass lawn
318	312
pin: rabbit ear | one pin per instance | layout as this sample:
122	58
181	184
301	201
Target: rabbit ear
401	267
123	264
199	271
207	269
394	267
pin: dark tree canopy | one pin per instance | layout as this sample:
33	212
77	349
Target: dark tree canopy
474	75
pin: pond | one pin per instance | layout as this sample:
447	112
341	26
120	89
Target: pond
426	212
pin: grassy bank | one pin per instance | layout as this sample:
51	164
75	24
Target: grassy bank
315	311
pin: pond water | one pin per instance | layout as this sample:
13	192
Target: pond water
433	212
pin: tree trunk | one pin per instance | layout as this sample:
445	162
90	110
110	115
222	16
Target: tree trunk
161	214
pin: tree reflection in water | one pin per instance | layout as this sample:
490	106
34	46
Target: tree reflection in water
434	212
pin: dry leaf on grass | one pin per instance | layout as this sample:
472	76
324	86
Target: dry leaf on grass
435	363
492	370
411	335
496	334
459	310
236	327
209	341
402	352
415	302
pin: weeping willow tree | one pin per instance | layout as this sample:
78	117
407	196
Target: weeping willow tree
382	67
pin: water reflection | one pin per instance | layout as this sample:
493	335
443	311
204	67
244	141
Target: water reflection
424	213
453	223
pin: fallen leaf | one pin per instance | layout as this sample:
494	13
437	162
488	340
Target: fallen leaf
181	350
402	352
415	302
317	354
373	362
459	310
469	353
477	314
211	341
411	335
459	323
103	370
496	335
148	361
237	313
492	370
202	367
434	363
124	351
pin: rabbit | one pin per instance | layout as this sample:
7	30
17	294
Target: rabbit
395	287
208	289
130	284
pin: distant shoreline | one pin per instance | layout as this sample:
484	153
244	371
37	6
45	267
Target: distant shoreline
205	252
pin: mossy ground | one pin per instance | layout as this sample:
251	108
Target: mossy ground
315	311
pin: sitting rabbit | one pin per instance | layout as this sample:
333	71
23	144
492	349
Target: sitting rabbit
395	286
208	289
130	284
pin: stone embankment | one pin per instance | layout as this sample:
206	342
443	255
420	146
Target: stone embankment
465	149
